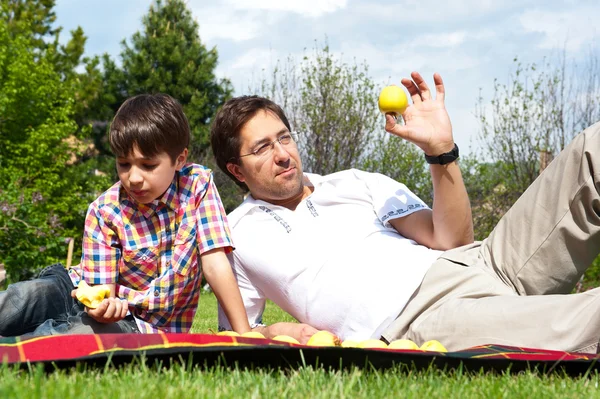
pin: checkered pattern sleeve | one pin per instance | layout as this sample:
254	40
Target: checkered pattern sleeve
100	252
213	230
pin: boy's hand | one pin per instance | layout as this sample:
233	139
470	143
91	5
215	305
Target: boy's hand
110	310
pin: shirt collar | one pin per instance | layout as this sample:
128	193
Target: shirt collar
310	179
169	199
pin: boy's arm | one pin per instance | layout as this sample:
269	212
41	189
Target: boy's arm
99	261
218	274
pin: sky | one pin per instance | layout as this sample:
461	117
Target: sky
469	42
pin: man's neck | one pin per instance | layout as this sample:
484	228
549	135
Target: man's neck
293	202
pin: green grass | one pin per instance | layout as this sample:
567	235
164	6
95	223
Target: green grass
141	380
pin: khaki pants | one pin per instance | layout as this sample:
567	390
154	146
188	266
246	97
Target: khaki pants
513	288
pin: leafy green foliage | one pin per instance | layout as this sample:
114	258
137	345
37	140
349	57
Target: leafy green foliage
43	194
403	162
168	56
332	104
532	118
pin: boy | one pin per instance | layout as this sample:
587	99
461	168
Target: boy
143	239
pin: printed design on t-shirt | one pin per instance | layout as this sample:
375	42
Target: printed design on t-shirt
397	212
311	208
278	218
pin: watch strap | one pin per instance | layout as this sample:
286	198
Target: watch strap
444	158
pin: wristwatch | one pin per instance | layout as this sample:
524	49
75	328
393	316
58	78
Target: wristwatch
444	158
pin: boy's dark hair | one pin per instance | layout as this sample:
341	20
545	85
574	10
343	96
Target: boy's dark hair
229	121
152	122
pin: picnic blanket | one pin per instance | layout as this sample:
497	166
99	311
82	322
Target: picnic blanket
59	351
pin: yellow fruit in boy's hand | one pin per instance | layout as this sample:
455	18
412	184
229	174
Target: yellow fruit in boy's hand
228	333
323	338
349	344
433	346
91	296
286	338
372	343
403	344
252	334
393	100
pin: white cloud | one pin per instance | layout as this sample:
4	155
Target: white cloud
225	23
570	28
311	8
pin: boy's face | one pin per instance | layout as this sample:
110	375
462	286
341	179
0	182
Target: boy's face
147	178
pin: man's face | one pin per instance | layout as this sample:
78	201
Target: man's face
147	178
276	176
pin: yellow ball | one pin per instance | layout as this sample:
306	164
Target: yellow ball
228	333
252	334
372	343
403	344
434	346
324	338
393	100
286	338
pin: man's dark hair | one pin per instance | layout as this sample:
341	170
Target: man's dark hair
152	122
229	121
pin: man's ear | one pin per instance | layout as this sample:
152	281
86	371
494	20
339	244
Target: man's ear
234	169
181	159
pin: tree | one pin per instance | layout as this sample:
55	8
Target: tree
43	191
168	56
403	162
532	118
332	104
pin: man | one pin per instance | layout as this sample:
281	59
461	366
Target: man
360	255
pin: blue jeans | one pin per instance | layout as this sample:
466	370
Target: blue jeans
44	306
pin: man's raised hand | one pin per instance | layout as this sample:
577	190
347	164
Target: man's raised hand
427	123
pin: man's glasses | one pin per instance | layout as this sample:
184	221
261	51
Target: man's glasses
285	140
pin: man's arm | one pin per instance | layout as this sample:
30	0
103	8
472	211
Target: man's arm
450	223
301	331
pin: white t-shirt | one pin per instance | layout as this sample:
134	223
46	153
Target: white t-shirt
335	262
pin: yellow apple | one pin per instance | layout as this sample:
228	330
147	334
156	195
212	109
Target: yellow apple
372	343
403	344
229	333
433	346
349	344
286	338
252	334
393	100
323	338
91	296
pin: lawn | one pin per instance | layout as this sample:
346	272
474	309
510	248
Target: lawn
140	380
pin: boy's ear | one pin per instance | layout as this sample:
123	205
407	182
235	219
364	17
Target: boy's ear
181	159
235	170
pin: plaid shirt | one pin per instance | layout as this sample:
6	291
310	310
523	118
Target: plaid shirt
151	250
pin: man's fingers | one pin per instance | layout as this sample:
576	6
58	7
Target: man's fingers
422	85
413	90
392	127
440	90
